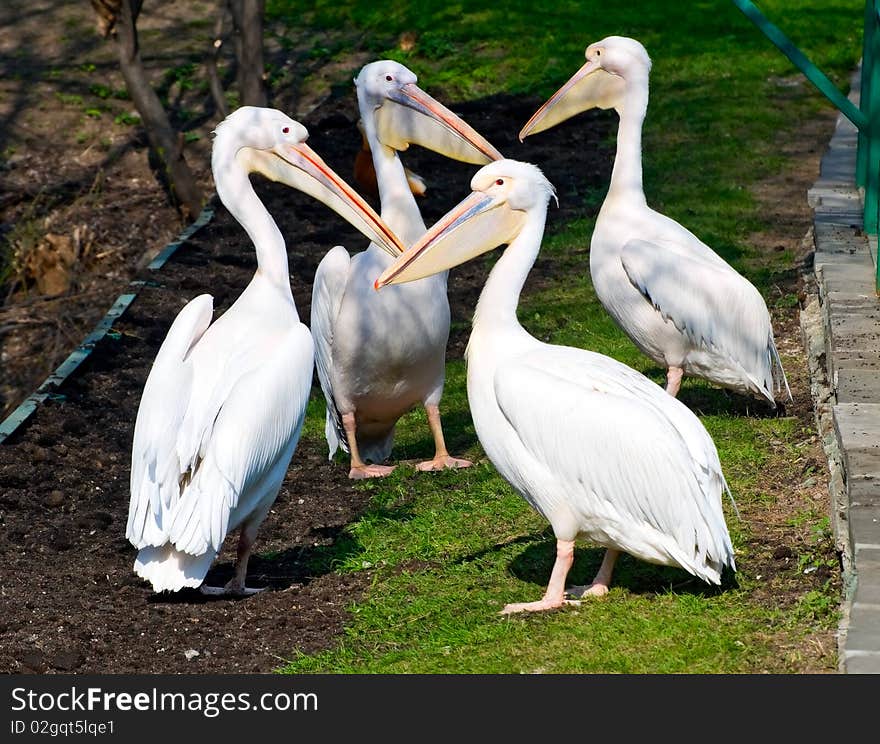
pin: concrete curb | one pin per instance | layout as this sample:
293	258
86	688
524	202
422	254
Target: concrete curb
841	326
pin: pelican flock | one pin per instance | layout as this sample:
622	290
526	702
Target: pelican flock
224	402
680	303
378	356
594	446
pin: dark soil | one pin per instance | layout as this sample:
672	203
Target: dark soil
71	601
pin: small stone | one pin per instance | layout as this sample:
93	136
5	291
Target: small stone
783	551
190	654
55	498
68	660
33	661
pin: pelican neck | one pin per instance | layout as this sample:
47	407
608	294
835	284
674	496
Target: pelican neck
398	204
398	207
626	175
238	196
500	296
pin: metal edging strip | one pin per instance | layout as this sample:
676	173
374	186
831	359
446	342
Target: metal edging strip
67	367
203	219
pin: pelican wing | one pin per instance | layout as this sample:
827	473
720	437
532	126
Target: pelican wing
156	469
611	445
707	300
327	292
252	435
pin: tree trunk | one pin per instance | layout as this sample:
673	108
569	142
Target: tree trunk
214	83
164	140
247	18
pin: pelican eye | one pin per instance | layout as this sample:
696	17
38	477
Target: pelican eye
286	130
389	78
499	182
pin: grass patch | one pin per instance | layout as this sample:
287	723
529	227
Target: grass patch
446	551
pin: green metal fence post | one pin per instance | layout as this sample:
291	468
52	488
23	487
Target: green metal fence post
869	142
865	89
870	68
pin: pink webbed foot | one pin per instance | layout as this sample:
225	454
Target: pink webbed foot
442	462
555	595
360	472
540	606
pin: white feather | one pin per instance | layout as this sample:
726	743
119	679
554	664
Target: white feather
327	293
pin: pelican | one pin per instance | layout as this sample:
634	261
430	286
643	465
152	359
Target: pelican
224	403
378	356
594	446
680	303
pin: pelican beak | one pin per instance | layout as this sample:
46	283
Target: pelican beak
300	167
478	224
590	87
411	116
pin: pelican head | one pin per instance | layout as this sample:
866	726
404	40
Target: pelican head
503	194
599	83
267	141
404	114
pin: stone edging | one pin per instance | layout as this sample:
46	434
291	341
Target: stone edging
841	327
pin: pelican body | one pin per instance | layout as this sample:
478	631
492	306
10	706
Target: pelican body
594	446
223	406
680	303
380	355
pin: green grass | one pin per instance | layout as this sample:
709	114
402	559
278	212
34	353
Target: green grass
446	551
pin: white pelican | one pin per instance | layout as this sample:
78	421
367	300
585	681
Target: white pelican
223	405
594	446
680	303
378	356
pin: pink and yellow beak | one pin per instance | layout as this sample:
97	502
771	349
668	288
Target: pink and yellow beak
411	116
476	225
590	87
299	166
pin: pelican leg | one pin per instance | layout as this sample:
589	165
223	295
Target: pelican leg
673	380
442	458
359	469
599	587
236	585
555	595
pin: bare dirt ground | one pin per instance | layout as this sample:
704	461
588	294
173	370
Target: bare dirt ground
79	202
